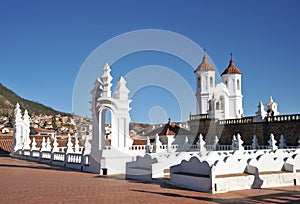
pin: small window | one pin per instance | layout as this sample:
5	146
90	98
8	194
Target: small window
218	105
211	82
199	82
238	84
226	83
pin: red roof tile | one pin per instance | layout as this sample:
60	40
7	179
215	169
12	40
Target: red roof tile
231	69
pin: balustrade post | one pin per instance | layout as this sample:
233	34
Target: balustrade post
255	144
272	143
201	143
216	145
282	143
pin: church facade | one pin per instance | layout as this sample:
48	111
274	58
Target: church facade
220	110
219	100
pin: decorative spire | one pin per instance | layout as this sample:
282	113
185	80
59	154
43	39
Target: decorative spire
106	80
43	145
255	144
69	145
122	91
272	143
201	144
76	148
55	145
261	110
87	147
271	100
48	145
17	112
33	145
216	143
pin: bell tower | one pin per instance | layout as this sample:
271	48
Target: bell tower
232	78
205	80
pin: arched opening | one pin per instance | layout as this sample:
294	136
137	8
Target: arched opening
199	82
211	81
108	124
238	84
222	105
218	105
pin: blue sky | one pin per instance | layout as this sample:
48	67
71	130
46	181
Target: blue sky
43	45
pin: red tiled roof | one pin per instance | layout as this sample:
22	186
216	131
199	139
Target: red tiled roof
205	66
231	69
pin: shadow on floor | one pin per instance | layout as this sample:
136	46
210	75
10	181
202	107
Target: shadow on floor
37	166
283	196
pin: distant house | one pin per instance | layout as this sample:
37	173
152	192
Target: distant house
171	133
41	132
6	130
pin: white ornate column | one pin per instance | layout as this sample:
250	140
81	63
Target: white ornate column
26	130
121	116
18	138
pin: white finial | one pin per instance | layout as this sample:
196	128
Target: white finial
255	144
69	145
121	91
148	145
186	140
48	145
272	143
87	147
43	145
261	110
216	143
33	144
234	143
271	99
239	142
55	145
106	80
17	112
282	143
76	145
157	143
201	143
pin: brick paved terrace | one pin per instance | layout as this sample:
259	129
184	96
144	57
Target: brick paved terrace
29	182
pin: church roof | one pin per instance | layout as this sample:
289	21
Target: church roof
169	129
205	66
231	69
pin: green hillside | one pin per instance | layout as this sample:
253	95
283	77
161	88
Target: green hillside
8	101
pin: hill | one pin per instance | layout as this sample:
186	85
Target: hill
9	99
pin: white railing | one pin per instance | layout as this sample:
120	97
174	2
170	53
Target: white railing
74	158
26	152
280	118
58	156
35	153
46	155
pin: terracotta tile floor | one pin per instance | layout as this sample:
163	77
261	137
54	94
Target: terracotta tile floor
29	182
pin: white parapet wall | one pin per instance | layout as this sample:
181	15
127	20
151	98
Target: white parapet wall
238	170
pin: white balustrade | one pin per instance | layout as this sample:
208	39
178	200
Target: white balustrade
26	153
35	153
46	155
58	156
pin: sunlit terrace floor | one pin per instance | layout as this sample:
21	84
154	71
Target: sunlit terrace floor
29	182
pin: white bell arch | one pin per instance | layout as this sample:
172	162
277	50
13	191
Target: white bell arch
119	108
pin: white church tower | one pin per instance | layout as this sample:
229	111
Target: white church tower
232	78
205	77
